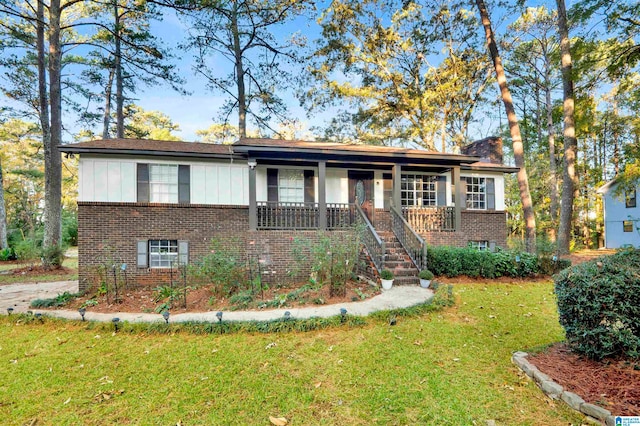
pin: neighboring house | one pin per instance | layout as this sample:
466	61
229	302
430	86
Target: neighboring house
152	204
621	216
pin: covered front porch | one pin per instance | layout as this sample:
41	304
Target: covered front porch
307	186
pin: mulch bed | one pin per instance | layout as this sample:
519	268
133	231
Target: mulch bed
32	270
611	384
203	299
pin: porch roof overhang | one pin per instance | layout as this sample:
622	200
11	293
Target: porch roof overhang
348	155
152	147
490	167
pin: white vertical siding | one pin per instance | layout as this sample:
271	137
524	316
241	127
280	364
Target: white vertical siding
107	180
337	186
114	180
220	183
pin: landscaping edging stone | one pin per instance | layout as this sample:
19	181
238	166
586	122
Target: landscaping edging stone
554	391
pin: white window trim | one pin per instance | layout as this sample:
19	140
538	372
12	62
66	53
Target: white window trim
161	190
161	258
418	194
291	185
481	194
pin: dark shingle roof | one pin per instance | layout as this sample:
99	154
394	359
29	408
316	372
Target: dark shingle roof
148	146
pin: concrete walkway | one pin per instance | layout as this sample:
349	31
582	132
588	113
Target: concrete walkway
19	296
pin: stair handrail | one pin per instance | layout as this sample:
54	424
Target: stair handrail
412	243
371	240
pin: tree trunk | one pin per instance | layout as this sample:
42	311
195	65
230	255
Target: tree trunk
551	137
569	183
43	98
52	160
237	51
3	215
118	67
107	105
514	128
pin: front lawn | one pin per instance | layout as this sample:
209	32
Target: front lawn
23	272
451	368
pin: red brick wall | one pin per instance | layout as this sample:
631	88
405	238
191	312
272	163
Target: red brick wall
476	226
108	233
111	230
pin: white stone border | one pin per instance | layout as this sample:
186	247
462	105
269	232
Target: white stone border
555	391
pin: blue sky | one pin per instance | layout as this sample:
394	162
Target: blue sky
200	109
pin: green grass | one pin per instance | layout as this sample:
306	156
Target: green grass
446	368
69	262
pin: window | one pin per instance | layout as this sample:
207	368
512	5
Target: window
418	190
476	193
162	253
630	198
480	245
291	185
163	183
627	226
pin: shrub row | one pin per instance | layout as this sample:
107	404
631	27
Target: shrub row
454	261
599	305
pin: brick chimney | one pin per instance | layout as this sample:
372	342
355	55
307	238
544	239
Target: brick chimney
488	149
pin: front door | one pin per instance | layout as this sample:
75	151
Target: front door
361	189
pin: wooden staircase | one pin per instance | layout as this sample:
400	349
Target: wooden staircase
397	260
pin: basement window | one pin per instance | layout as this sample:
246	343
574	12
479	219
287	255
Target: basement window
162	253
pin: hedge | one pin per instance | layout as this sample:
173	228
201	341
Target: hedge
454	261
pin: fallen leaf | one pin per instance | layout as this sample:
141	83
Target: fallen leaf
67	401
278	421
417	343
317	385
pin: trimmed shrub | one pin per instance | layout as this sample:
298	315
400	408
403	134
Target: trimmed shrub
599	305
454	261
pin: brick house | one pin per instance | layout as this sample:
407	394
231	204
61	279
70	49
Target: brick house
157	203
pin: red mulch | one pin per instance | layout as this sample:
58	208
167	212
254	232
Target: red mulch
203	299
611	384
32	270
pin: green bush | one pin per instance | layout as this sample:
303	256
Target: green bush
7	254
60	300
70	228
386	274
425	274
599	305
27	250
454	261
223	267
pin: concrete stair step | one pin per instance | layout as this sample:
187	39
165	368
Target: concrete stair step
406	281
404	272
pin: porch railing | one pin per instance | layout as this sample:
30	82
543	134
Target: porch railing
288	215
425	219
340	215
413	243
371	240
283	215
